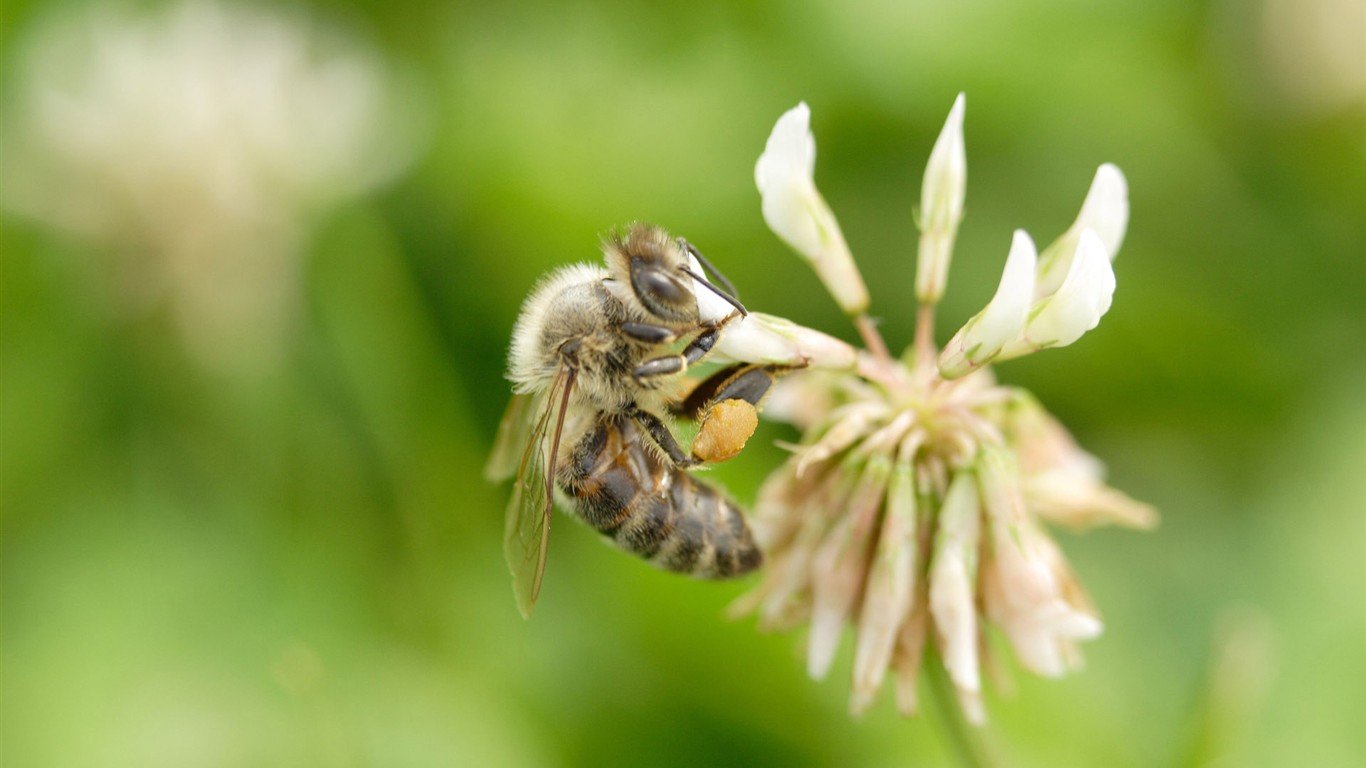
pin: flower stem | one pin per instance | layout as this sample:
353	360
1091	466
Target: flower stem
924	337
961	736
871	338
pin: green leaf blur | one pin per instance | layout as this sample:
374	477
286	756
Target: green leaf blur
302	566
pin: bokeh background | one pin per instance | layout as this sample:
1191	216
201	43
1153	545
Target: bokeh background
259	267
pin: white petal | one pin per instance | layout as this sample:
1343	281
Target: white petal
945	184
841	563
710	306
1026	584
951	582
942	192
762	338
1105	210
907	656
889	589
1080	302
797	213
1063	496
1003	319
790	150
1005	315
850	423
784	175
803	400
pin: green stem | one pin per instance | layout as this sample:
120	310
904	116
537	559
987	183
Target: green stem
962	736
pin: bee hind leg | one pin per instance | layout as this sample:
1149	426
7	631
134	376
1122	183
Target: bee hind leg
659	432
726	406
749	382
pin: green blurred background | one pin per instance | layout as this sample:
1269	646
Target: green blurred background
297	562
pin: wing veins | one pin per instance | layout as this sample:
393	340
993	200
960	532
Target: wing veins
530	510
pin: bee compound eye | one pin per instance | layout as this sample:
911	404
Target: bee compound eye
660	291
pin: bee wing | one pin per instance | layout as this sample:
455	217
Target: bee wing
515	428
527	527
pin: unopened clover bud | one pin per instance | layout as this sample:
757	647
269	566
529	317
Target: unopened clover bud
1003	319
796	212
1076	307
1105	211
941	206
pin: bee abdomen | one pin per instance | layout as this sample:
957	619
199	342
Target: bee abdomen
711	539
654	510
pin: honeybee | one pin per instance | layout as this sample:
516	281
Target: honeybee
595	377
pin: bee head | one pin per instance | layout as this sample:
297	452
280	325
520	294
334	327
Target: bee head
652	263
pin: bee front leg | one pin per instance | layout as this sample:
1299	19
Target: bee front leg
649	332
674	364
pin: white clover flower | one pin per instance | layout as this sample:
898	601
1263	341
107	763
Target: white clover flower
199	142
913	510
796	212
1071	285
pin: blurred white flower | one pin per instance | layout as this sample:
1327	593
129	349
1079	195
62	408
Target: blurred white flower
201	141
796	212
913	508
1312	51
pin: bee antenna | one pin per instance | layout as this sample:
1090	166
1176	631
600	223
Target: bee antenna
708	267
734	302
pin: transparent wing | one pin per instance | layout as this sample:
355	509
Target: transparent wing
513	431
527	526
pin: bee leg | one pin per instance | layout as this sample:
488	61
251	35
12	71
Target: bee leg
672	364
727	409
654	334
658	367
660	433
743	381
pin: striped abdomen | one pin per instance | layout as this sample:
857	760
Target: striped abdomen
653	509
